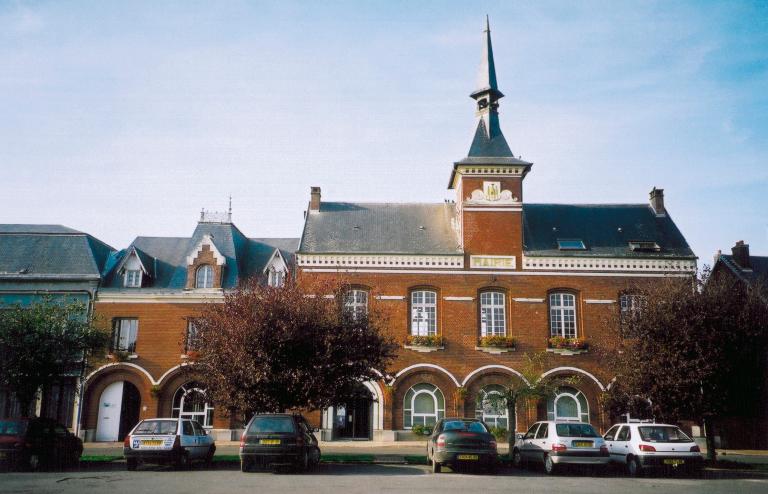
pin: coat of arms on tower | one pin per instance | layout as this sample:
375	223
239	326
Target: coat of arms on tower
492	193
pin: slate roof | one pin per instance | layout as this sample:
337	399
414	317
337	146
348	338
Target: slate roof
605	229
388	228
50	251
380	228
168	256
758	264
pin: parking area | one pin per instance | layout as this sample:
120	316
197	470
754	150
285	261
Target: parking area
337	478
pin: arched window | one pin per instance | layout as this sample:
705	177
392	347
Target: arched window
568	404
491	407
356	303
424	404
204	276
562	314
423	313
493	314
276	277
189	402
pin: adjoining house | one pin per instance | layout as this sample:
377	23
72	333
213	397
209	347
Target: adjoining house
472	285
749	431
39	262
150	296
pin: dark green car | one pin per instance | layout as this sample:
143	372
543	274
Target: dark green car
279	440
458	442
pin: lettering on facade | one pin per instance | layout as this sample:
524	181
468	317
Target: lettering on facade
492	262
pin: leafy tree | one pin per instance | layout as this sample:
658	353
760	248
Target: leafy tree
41	342
269	349
692	349
528	389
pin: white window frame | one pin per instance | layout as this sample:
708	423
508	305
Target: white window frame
276	277
493	313
423	312
189	345
125	334
132	278
582	405
630	302
204	418
409	405
562	316
356	302
207	276
481	410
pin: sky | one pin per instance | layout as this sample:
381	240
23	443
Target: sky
123	119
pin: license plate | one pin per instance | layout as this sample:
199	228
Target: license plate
467	457
151	442
674	462
269	442
582	444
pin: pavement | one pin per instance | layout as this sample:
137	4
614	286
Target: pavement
346	478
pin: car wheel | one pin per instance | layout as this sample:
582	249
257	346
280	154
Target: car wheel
436	467
33	463
209	456
315	458
634	468
246	465
182	461
132	463
517	459
303	465
549	466
493	468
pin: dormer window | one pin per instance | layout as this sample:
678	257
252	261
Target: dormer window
644	246
276	277
570	244
132	278
204	276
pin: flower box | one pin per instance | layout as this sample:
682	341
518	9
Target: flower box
424	344
496	344
567	346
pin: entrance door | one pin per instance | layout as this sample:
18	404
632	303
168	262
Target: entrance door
354	418
110	402
119	406
129	411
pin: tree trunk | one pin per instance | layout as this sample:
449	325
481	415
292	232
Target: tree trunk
709	430
512	422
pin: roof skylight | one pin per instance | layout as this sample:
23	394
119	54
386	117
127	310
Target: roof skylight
644	246
570	244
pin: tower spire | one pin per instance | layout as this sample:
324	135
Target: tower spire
488	141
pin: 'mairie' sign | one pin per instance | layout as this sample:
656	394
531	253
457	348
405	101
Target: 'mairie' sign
492	262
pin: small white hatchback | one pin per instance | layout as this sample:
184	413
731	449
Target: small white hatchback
558	443
644	445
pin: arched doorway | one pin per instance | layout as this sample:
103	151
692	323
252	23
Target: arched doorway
191	402
352	420
119	408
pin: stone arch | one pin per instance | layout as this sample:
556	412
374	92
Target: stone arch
418	375
491	375
420	367
588	384
97	382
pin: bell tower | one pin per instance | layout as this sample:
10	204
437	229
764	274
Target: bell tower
489	181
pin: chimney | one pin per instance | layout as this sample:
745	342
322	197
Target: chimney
314	201
741	254
657	201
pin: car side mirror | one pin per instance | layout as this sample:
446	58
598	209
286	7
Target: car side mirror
315	429
519	435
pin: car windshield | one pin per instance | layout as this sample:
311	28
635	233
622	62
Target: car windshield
12	427
575	430
464	425
156	427
663	434
272	424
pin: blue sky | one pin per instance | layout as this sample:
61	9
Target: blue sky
126	118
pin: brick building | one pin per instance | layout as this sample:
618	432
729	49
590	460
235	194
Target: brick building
750	430
150	295
473	285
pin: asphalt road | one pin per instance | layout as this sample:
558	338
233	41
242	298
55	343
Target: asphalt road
338	478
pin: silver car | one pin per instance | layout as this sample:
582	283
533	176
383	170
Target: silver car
554	443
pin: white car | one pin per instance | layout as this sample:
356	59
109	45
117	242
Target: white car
557	443
177	441
648	445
